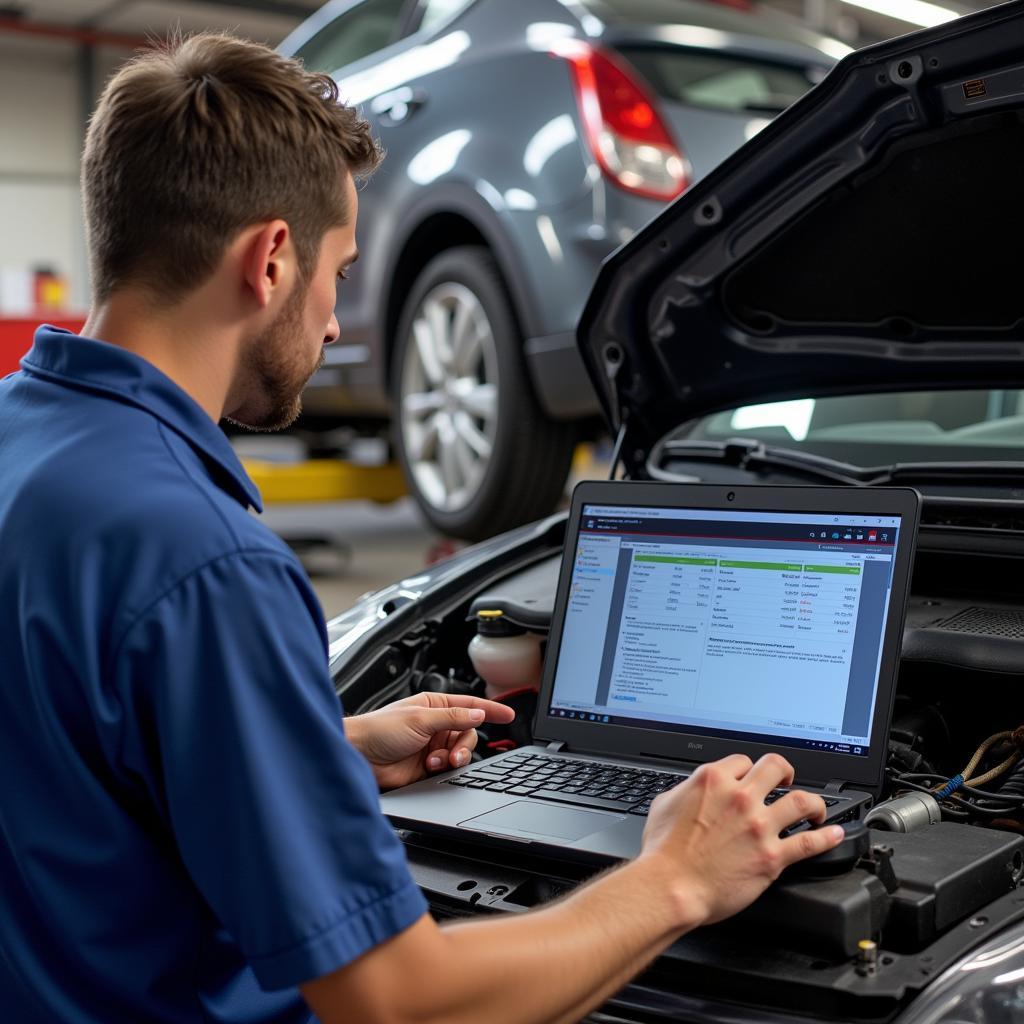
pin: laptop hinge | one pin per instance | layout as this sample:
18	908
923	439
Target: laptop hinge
835	786
556	745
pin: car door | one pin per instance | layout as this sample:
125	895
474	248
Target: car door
341	39
364	46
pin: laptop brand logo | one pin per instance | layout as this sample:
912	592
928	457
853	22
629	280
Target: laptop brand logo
694	746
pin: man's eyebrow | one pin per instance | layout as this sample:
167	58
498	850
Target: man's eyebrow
352	259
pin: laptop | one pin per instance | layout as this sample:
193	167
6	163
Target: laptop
691	622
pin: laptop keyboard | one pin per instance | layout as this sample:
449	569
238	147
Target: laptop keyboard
581	783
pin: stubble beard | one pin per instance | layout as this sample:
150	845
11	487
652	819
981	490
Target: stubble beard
273	372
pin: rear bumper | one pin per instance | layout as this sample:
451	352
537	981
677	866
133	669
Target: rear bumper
559	379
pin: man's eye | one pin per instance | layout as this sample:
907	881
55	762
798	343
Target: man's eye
342	276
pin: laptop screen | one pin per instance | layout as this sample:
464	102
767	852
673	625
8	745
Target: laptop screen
756	625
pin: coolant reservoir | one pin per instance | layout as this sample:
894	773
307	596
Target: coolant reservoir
505	656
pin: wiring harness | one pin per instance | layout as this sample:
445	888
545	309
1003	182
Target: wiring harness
963	797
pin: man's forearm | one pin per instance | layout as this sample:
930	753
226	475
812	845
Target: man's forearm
565	960
551	965
711	846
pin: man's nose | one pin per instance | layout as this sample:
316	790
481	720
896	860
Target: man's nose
333	331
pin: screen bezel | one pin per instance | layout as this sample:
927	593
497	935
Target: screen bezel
811	766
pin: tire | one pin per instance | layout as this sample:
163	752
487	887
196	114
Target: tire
479	455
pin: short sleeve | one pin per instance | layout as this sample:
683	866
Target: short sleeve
232	720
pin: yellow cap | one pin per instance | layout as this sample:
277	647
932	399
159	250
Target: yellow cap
490	613
867	944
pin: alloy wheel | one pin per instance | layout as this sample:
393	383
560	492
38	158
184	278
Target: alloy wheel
449	396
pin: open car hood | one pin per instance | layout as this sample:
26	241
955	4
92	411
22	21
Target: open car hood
866	240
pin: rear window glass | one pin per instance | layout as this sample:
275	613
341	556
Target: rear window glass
719	80
760	21
437	11
357	33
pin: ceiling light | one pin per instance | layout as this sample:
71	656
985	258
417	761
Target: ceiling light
914	12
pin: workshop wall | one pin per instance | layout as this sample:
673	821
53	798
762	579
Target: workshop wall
42	116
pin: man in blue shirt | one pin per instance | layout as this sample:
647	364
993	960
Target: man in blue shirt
188	831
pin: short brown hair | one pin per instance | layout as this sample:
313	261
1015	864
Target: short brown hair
199	138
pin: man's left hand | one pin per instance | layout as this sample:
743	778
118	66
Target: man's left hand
429	732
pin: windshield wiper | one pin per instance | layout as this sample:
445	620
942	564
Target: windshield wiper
750	455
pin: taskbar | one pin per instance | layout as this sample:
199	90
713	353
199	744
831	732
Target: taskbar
600	718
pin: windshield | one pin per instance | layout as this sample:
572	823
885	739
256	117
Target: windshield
722	81
872	430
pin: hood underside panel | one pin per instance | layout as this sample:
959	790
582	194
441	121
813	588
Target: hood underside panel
865	241
921	241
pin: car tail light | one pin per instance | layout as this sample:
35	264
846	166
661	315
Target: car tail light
624	130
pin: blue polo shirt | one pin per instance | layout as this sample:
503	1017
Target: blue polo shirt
185	833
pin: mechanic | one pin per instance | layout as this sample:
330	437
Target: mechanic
188	829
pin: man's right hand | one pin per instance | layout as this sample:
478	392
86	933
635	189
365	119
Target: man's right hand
718	844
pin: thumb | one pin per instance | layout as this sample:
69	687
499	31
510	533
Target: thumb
434	720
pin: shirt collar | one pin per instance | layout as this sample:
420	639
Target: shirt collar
97	366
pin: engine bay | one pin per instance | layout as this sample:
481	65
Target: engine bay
946	852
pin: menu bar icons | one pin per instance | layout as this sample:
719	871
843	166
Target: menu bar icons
870	534
862	533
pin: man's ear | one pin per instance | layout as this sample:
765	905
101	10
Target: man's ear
268	261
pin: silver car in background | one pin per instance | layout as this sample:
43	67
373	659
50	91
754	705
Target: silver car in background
526	140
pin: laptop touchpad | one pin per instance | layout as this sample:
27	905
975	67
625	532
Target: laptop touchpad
538	819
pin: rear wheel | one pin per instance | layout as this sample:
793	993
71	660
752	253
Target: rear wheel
479	454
